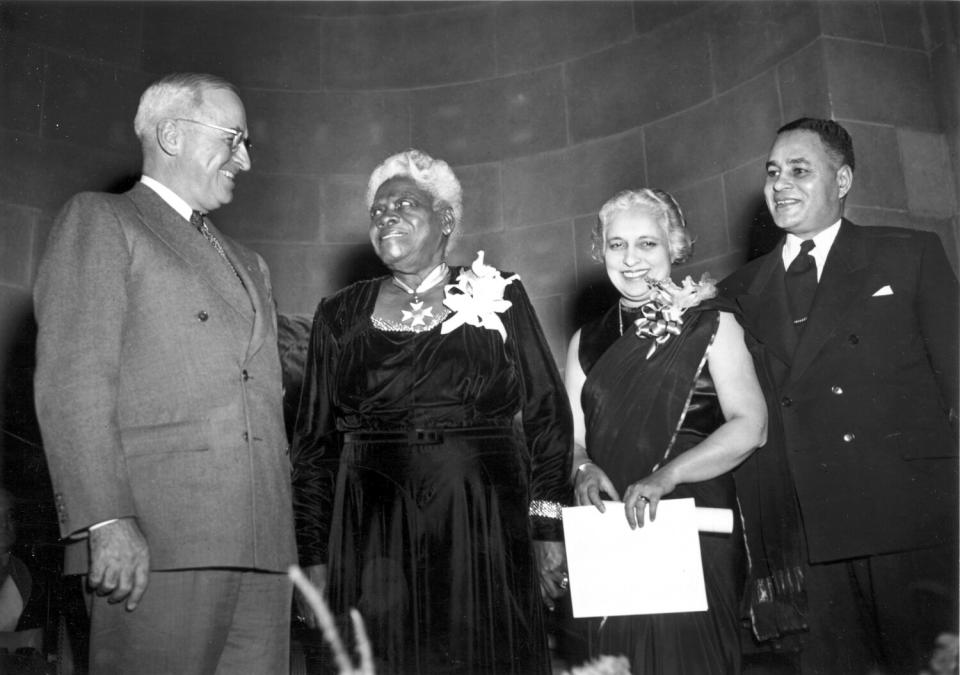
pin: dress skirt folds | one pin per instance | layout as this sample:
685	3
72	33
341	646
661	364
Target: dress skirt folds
641	412
429	540
416	458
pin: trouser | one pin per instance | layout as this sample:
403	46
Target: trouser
880	612
206	621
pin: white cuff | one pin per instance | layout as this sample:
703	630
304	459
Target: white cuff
105	522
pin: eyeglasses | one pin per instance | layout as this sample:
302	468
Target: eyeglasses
236	135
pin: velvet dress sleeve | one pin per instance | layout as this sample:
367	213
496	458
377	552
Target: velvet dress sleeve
315	449
546	416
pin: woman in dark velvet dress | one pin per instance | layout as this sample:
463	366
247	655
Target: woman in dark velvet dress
433	446
664	408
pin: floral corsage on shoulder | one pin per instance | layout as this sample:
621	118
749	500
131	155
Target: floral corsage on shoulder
477	298
661	317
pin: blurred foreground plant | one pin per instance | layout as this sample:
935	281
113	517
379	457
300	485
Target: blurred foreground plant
331	634
946	656
603	665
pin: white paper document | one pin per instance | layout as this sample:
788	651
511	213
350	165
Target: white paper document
614	571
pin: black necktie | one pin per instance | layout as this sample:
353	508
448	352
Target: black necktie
199	221
801	282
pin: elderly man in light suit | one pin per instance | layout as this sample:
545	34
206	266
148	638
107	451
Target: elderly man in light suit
158	391
856	328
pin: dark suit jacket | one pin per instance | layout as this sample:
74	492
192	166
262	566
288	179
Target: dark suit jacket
865	392
158	386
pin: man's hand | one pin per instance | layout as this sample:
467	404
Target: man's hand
119	562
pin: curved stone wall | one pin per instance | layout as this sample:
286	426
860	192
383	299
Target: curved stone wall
545	109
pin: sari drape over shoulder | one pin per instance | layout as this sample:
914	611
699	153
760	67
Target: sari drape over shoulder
641	412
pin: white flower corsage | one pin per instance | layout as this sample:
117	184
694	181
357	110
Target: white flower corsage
662	316
477	298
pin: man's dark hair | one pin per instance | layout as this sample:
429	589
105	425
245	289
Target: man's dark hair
834	137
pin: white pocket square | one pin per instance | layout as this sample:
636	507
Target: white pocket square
886	290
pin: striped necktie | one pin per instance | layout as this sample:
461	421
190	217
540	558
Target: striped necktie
199	221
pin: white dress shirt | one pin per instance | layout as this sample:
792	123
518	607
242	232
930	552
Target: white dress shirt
168	195
823	241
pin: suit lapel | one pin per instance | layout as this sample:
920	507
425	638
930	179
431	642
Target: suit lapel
161	219
248	267
765	308
844	275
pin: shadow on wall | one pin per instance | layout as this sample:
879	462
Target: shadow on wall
359	263
595	297
764	234
24	468
122	184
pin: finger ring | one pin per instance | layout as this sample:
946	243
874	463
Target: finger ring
564	582
644	498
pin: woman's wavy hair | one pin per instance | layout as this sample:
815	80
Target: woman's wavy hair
658	203
432	175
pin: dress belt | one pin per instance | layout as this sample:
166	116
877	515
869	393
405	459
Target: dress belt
431	436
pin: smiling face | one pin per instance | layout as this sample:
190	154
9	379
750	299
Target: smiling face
206	166
634	247
408	235
805	186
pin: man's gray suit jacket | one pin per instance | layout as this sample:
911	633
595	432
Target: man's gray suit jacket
158	386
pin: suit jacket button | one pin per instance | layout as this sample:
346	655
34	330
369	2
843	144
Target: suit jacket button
836	389
246	436
848	438
203	316
786	401
854	339
244	375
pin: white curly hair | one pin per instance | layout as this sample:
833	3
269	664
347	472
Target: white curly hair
430	174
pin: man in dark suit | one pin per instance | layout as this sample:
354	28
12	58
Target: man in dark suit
158	391
856	331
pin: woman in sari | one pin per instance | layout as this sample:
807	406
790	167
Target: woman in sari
666	403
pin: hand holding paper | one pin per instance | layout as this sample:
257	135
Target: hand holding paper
615	570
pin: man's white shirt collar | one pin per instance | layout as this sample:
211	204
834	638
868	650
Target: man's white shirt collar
823	241
168	195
